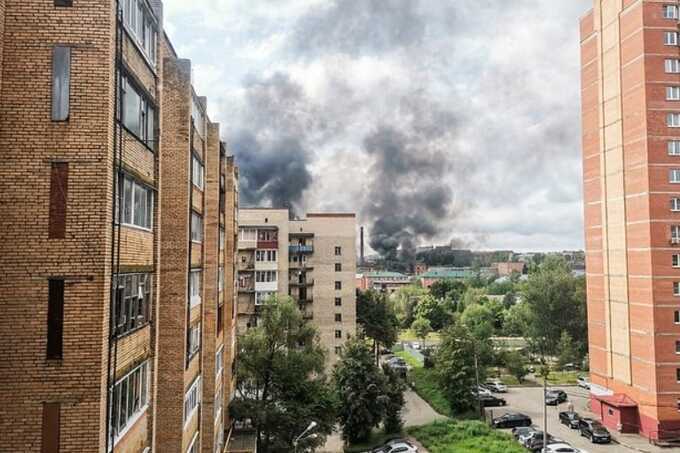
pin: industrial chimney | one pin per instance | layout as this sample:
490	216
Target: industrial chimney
361	262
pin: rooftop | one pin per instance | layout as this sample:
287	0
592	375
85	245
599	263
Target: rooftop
384	274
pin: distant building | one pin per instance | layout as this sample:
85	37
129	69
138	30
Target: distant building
420	268
435	274
383	281
509	268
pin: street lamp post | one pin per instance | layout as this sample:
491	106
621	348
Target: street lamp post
311	426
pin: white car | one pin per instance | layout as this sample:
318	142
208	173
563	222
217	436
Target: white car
583	382
496	386
397	446
561	448
416	345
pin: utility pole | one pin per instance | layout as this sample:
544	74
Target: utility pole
545	372
479	399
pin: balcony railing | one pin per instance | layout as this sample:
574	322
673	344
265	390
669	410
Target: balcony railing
299	249
246	288
308	282
247	266
273	244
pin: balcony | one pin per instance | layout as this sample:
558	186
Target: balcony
305	300
308	282
300	249
246	287
247	266
271	244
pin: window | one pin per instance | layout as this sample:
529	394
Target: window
338	251
265	256
139	115
55	318
193	446
338	285
195	287
338	350
338	267
192	398
338	302
141	26
129	398
217	405
265	276
196	227
220	279
221	238
672	93
58	199
248	234
338	334
338	317
196	171
262	296
670	11
670	38
193	340
676	288
132	293
675	234
675	204
672	66
220	319
136	203
676	260
61	82
673	120
63	2
677	347
51	413
676	316
198	117
219	361
674	176
677	374
674	147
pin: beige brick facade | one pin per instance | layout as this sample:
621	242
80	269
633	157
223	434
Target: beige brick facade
71	352
315	265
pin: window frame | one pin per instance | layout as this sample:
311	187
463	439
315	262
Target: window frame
195	287
61	85
670	38
197	178
676	289
673	119
196	227
672	65
193	341
121	191
673	9
673	147
193	393
148	22
124	324
673	93
674	176
139	406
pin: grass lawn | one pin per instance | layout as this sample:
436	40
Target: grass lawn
410	360
464	436
408	335
563	377
426	386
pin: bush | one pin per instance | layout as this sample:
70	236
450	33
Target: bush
464	436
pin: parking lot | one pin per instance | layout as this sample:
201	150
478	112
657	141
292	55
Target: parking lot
529	401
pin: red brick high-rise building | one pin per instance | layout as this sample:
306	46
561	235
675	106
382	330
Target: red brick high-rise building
630	60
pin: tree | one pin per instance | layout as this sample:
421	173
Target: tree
516	364
455	367
434	311
422	328
447	288
280	381
394	392
377	319
404	303
360	389
470	297
566	351
517	319
479	320
498	312
509	300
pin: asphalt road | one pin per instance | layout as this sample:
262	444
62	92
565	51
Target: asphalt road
529	401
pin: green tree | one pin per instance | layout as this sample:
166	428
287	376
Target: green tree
422	328
394	392
470	297
517	320
501	288
516	364
360	388
377	320
455	367
566	351
479	320
497	309
280	381
509	300
404	303
434	311
447	288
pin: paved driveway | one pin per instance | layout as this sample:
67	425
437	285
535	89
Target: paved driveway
529	401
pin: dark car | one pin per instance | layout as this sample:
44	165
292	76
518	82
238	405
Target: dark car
555	397
593	430
398	365
570	419
535	442
511	420
491	401
522	431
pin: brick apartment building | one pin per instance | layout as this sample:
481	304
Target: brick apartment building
630	60
312	260
118	236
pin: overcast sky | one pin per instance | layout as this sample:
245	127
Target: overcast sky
433	120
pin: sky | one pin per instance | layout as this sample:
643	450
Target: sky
436	121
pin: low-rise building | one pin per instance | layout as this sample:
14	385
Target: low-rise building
383	281
506	269
435	274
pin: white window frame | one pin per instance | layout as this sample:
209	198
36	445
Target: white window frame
673	93
247	234
266	276
131	418
673	119
675	234
675	260
676	317
193	445
135	186
194	340
670	38
676	289
192	400
198	117
140	25
196	227
670	12
672	65
219	361
674	176
195	287
217	404
675	204
197	172
262	296
673	147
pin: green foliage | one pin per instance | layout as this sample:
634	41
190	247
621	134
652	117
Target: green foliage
470	297
501	288
455	366
468	436
422	328
281	385
404	302
409	359
394	391
479	320
566	351
360	389
426	384
447	289
376	318
435	311
516	364
517	320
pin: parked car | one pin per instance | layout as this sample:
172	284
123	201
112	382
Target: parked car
593	430
511	420
522	431
397	446
398	365
535	442
524	438
554	397
491	401
583	382
481	390
570	419
415	345
496	387
560	448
